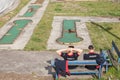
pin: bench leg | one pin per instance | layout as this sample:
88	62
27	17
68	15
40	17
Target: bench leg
56	76
99	73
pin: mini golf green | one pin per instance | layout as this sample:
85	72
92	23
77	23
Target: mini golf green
69	34
14	32
31	11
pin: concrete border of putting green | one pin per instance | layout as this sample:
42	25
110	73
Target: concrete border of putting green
14	31
81	30
56	32
69	35
31	10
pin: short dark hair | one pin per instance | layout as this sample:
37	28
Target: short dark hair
71	46
90	47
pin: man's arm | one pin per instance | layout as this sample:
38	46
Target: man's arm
60	51
78	50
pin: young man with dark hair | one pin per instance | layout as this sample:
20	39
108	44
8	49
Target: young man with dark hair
91	49
92	55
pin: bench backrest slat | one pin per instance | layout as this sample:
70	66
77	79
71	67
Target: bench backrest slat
85	62
116	48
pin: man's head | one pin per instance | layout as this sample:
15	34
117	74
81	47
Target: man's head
90	47
70	49
70	46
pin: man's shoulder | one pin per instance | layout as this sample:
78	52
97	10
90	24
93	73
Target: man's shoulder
63	54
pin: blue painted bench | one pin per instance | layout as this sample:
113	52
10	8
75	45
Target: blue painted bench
115	48
86	62
115	60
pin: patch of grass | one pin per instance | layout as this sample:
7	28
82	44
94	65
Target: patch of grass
58	8
86	8
39	1
41	34
112	73
102	34
8	16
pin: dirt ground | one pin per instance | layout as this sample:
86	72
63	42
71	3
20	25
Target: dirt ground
14	76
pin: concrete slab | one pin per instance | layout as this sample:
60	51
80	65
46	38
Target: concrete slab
26	62
30	63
